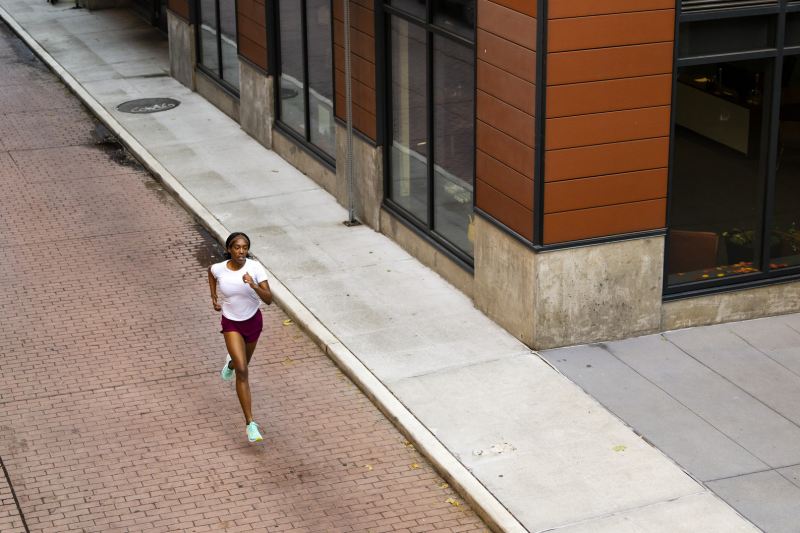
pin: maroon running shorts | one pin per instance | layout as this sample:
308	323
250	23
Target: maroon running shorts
250	329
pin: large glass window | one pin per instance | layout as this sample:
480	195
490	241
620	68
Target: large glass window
454	145
785	249
718	170
431	124
217	40
409	156
793	29
305	98
735	190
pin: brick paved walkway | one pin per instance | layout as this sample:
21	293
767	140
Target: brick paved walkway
112	414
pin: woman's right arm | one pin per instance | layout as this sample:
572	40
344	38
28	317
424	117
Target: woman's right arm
212	285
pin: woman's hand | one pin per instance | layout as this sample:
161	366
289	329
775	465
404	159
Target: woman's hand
217	307
262	289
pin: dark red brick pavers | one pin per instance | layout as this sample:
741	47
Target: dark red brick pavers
112	413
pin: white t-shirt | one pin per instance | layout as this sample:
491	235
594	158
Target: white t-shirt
239	300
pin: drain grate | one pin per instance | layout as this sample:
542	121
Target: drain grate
148	105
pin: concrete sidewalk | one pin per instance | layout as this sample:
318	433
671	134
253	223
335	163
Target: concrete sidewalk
723	401
525	446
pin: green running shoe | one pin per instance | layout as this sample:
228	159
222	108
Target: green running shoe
253	434
227	372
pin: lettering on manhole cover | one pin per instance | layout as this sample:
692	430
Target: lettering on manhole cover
148	105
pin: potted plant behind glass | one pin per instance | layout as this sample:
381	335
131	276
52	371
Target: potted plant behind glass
789	241
740	245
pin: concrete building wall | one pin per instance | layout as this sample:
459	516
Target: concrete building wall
212	91
569	296
429	255
256	103
609	68
367	176
506	91
595	293
505	277
776	299
310	165
181	49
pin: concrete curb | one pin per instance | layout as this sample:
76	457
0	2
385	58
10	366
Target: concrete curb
485	504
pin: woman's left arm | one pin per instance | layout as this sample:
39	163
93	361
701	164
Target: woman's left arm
262	289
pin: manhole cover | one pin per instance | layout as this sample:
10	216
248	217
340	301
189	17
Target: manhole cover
148	105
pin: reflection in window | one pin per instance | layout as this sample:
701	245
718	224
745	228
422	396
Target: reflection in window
786	222
719	169
432	120
292	78
414	7
457	16
320	75
792	37
409	157
453	124
209	53
230	57
217	40
726	35
307	108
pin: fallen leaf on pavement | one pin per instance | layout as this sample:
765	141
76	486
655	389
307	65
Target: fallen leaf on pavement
414	466
619	448
453	502
288	322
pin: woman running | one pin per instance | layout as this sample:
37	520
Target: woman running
242	285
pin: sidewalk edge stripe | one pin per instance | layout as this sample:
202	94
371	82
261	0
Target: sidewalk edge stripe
484	503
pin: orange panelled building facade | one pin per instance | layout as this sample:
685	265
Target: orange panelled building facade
571	165
506	83
605	113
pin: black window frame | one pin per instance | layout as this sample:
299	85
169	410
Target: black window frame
219	79
304	140
423	229
765	275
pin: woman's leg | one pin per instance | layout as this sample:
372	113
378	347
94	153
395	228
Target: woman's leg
239	355
250	347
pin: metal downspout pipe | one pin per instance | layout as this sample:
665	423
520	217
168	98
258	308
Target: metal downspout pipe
348	97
